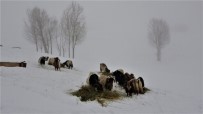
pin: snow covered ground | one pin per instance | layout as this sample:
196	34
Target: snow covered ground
38	89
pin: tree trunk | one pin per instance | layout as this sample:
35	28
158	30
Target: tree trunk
69	47
158	54
36	46
73	52
63	52
44	43
51	44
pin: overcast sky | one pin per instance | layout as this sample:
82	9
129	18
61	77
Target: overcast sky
116	27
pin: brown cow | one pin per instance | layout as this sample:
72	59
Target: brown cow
56	63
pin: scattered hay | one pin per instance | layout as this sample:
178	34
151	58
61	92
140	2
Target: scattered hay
146	90
88	93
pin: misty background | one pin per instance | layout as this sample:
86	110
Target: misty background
117	27
117	31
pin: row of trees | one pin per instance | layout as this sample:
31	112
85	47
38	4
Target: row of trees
46	32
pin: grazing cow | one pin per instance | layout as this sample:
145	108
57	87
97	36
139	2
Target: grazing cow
93	80
14	64
134	86
69	64
56	63
119	77
104	68
42	60
107	82
129	88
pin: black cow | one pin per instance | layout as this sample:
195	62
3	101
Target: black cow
68	63
94	82
109	83
42	60
119	77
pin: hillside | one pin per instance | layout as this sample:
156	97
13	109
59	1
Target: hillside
38	89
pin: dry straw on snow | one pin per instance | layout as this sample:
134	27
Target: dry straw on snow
88	93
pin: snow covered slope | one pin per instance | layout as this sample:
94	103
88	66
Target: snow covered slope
38	89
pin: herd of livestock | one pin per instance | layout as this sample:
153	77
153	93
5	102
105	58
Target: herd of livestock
105	79
55	61
100	81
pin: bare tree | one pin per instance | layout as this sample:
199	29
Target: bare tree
73	25
65	28
36	25
51	32
158	34
31	31
61	42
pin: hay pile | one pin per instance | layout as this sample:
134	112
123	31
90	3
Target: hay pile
88	93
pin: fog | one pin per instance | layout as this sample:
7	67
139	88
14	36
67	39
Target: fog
117	30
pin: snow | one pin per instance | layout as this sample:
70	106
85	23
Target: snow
38	89
117	36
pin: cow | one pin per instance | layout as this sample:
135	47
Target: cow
106	81
134	86
93	81
119	77
56	63
68	63
104	68
42	60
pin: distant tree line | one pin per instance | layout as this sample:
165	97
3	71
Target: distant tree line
46	32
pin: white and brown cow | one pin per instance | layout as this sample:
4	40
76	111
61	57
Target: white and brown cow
106	81
55	62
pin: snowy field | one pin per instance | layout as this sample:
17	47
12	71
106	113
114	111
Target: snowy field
38	89
117	34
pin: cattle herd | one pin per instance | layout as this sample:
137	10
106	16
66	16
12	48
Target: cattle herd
55	61
105	79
